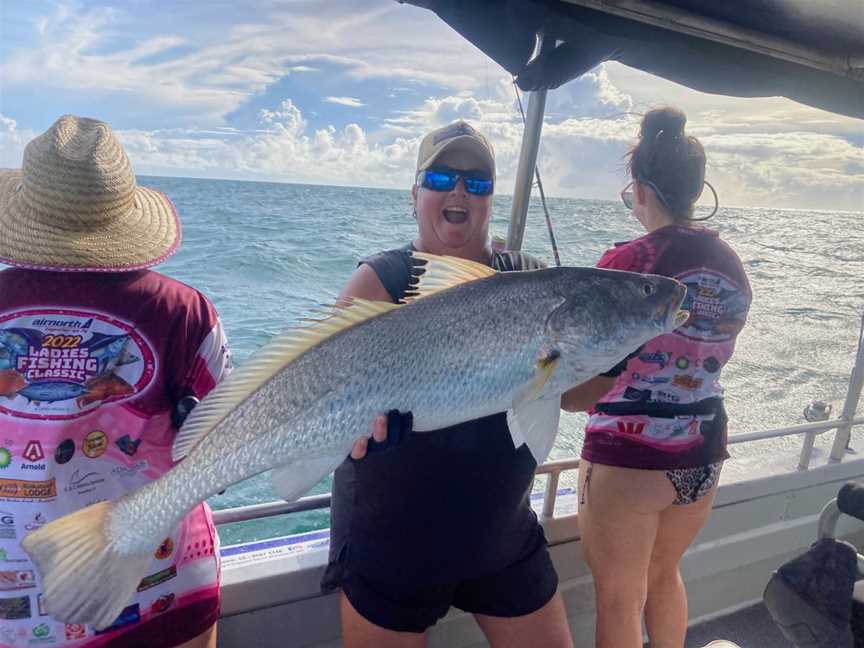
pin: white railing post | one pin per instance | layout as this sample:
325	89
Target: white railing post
856	383
807	451
551	495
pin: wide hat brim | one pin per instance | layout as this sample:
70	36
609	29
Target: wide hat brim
143	236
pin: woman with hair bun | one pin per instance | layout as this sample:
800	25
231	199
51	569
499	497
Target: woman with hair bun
655	443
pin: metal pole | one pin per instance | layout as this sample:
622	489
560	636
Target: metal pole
856	383
527	164
807	451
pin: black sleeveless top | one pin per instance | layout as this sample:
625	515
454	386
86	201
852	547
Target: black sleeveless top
439	507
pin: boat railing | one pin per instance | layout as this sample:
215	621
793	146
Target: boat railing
553	469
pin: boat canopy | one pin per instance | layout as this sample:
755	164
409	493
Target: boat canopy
810	52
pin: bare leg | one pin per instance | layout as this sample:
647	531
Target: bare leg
666	609
546	627
619	514
206	639
357	632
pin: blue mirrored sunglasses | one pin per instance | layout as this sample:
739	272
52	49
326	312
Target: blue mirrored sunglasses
446	179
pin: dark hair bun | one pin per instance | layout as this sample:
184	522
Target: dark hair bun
669	120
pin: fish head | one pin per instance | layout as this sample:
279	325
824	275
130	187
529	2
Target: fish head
604	315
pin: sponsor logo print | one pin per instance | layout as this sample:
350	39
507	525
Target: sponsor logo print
682	362
22	490
717	306
65	362
4	557
128	471
14	608
632	394
42	634
37	523
83	484
75	631
687	382
165	549
158	578
711	364
127	445
95	444
33	452
64	451
17	580
61	323
658	357
630	427
653	380
5	458
7	526
162	603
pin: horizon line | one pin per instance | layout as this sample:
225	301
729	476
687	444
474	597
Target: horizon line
509	195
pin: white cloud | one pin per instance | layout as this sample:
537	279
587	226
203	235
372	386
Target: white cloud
12	142
79	48
761	151
351	102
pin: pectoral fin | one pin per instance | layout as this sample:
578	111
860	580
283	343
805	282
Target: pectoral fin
535	423
294	479
543	371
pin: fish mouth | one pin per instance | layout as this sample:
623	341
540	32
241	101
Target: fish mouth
670	315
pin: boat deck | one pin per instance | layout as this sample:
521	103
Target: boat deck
751	627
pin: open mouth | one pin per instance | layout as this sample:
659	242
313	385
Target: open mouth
456	215
678	316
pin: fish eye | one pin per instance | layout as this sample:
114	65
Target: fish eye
648	289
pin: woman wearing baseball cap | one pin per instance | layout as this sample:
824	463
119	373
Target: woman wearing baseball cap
442	519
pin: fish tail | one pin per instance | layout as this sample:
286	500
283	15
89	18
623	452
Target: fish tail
86	578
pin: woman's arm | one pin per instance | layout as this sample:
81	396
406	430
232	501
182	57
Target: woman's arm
365	284
583	397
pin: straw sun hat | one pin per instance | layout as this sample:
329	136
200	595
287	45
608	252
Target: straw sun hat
75	206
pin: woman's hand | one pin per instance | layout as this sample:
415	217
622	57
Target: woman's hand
387	431
379	435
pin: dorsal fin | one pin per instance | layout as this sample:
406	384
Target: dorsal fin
265	364
443	272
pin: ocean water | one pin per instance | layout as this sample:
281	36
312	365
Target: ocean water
266	253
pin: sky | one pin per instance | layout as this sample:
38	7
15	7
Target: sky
340	93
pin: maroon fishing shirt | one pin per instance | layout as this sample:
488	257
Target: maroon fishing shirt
91	366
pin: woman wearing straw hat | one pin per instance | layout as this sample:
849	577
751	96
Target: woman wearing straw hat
99	357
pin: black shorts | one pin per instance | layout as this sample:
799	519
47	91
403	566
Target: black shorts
519	589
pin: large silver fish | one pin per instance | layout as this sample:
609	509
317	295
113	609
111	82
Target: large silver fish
470	343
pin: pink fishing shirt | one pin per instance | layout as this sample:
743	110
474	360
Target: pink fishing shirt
91	366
